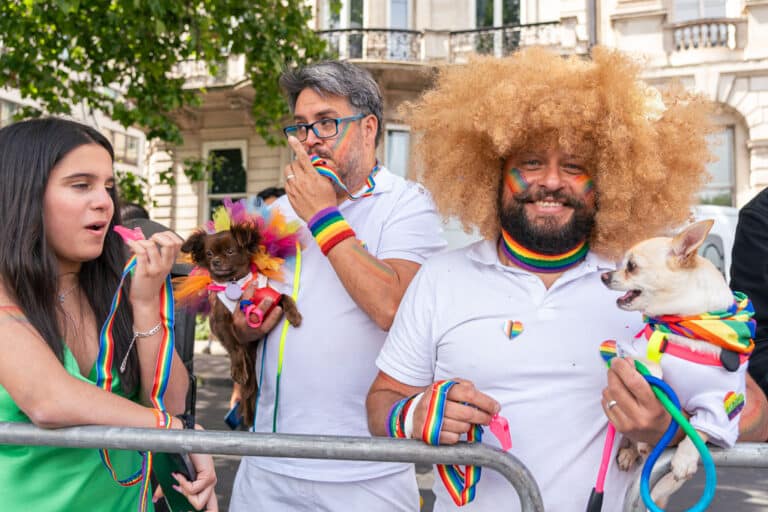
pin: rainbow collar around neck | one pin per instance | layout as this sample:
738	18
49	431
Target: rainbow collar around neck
541	263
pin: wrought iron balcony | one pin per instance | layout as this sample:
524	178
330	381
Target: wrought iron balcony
730	33
374	44
501	41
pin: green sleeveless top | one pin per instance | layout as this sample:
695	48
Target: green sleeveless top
51	479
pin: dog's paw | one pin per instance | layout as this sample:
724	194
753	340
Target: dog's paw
643	449
627	457
684	465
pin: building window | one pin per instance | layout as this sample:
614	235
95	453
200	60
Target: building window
720	189
7	110
345	44
484	13
398	148
497	13
686	10
227	177
126	148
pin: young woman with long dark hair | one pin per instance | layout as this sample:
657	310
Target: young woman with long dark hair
60	264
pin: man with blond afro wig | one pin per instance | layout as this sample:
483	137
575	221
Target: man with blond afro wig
561	165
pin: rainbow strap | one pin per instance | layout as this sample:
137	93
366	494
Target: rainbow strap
732	329
329	228
322	167
459	483
543	263
104	363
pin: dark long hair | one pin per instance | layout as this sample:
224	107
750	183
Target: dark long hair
29	150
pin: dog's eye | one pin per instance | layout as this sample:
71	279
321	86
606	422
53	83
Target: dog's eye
230	251
631	266
209	253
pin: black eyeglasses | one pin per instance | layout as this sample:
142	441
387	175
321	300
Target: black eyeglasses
323	129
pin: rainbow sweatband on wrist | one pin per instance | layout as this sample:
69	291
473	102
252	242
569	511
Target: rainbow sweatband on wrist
329	228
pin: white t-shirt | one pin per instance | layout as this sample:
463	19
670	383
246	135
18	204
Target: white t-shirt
328	362
711	394
548	379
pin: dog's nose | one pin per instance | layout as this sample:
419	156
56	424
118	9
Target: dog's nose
606	277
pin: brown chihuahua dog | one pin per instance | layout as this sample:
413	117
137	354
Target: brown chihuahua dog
227	257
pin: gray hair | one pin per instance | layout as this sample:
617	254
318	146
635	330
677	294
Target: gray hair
338	78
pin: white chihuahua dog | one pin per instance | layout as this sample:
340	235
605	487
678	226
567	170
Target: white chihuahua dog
691	338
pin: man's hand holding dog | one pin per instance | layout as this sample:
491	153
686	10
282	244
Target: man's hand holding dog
307	191
631	405
246	334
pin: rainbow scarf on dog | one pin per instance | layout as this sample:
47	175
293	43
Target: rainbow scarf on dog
732	329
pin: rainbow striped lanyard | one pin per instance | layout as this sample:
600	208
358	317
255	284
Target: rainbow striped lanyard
460	483
104	363
323	169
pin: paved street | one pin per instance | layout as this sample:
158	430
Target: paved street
739	489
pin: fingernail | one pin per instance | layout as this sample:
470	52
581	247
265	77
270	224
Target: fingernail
177	489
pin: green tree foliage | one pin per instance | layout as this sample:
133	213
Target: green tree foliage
119	56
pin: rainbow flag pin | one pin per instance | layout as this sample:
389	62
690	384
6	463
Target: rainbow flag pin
608	350
513	328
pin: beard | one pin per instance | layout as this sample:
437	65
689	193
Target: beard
545	236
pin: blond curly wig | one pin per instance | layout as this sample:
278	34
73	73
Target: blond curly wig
647	164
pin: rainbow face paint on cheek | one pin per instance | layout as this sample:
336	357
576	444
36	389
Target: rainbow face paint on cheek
515	181
340	145
584	184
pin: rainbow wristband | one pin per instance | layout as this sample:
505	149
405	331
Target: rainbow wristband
163	419
397	415
329	228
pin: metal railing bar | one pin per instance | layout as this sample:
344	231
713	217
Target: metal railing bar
282	445
749	455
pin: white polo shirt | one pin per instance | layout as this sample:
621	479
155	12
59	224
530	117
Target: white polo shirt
329	360
548	379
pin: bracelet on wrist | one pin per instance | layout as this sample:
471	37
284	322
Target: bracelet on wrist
163	419
396	421
329	228
136	335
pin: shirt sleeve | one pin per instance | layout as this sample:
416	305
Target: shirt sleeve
413	231
409	352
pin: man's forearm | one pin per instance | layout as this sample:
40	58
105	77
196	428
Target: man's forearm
377	286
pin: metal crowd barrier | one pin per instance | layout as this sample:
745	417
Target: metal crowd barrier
744	455
282	445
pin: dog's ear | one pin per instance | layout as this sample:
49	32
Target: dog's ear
247	236
685	244
195	246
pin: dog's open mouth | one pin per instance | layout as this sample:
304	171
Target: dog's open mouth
626	299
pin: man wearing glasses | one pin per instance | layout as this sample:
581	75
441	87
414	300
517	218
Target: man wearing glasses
368	233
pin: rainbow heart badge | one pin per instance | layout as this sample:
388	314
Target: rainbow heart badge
513	329
733	403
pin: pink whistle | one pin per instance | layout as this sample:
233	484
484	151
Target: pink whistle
253	310
129	234
500	428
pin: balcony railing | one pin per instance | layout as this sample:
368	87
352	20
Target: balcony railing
229	70
374	44
727	33
501	41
